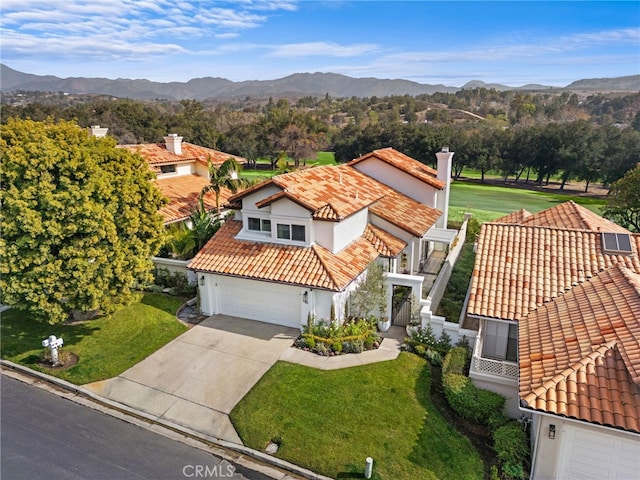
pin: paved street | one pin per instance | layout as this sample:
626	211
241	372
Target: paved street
46	436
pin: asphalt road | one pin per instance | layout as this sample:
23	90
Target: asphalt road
44	436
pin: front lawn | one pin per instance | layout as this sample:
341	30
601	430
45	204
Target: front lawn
106	346
330	421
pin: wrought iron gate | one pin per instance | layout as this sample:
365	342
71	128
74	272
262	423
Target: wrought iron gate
401	305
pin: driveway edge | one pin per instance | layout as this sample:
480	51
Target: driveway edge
123	411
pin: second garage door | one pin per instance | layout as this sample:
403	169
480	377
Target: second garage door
263	301
587	454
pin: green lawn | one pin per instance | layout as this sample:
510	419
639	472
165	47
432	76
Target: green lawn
330	421
506	200
106	346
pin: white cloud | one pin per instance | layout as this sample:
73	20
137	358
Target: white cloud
325	49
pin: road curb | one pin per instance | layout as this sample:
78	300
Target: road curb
121	408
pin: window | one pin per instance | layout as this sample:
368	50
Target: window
167	169
259	224
291	232
500	341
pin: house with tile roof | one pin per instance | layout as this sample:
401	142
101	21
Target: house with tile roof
182	172
555	299
301	242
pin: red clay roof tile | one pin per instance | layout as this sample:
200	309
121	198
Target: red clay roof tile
157	154
405	163
313	266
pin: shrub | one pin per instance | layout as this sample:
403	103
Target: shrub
455	361
337	346
469	402
515	471
433	357
511	444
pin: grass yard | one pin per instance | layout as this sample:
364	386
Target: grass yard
106	346
505	200
330	421
322	158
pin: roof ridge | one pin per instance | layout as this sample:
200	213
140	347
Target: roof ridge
574	367
316	250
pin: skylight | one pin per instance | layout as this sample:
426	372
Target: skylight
616	243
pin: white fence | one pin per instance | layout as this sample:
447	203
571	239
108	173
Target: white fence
176	266
430	304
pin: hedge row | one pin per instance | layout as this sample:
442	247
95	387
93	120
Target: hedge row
487	408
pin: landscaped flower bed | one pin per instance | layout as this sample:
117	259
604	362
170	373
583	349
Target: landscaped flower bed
354	336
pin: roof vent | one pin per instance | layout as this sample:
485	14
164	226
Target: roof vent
616	243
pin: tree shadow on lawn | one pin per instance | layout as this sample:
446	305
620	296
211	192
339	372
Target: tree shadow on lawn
21	335
431	395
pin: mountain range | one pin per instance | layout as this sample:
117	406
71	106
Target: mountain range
298	84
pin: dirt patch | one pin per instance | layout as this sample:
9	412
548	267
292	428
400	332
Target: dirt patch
67	360
479	435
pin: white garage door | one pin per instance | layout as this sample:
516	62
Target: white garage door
263	301
587	454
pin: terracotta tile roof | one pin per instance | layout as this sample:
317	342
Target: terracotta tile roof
156	154
564	215
579	355
519	268
515	217
182	192
312	266
336	192
405	163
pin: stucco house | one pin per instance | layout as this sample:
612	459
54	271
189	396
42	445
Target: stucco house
181	170
555	299
300	242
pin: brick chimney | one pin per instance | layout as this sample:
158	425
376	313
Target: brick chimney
445	161
96	131
174	143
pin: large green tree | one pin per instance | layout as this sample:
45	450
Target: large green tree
623	206
79	221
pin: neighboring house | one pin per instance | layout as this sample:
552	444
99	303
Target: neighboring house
301	241
182	171
555	298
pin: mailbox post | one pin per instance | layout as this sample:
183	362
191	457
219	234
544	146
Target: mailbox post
53	344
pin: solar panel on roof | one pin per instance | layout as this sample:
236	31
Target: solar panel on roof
616	242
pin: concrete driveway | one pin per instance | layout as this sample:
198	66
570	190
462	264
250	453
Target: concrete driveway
197	379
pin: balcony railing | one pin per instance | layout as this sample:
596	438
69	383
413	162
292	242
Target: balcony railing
495	367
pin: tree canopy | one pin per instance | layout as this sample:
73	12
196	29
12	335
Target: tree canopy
623	206
79	221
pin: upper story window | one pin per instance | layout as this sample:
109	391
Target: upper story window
291	232
168	168
259	224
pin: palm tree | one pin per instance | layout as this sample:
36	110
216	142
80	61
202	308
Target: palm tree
223	176
203	226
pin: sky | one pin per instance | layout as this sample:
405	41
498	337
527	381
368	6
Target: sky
513	43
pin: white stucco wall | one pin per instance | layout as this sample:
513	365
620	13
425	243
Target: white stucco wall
249	201
398	180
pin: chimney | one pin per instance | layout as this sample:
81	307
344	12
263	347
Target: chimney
174	143
96	131
445	158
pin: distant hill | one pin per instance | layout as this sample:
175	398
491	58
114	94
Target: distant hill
298	84
630	83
